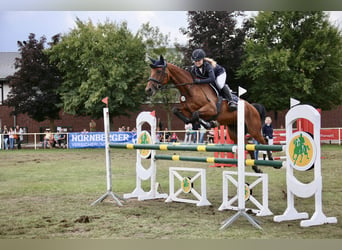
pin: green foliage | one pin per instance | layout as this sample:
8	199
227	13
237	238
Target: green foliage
100	61
293	54
157	44
35	83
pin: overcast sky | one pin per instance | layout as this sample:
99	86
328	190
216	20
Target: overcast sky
16	25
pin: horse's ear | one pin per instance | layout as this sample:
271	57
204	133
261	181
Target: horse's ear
152	60
161	60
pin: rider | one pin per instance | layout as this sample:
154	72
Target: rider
208	71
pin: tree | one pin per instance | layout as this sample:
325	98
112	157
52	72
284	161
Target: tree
100	61
293	54
157	44
217	32
34	85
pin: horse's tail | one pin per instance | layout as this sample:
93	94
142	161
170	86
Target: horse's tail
261	110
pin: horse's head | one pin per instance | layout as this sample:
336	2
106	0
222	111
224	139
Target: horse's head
158	76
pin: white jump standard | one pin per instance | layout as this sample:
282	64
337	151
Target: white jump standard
199	172
229	177
301	144
108	163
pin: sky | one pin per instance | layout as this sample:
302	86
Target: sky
17	25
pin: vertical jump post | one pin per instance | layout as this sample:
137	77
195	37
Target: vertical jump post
108	162
241	167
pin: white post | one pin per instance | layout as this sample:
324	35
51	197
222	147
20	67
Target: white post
241	167
241	155
108	162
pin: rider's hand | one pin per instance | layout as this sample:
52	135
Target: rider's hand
196	80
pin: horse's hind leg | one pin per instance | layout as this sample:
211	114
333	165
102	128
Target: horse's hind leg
232	130
254	167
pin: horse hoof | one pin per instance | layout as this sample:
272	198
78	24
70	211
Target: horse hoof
257	170
214	124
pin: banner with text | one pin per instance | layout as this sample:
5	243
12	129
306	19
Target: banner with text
97	139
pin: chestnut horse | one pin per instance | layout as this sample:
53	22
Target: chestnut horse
200	102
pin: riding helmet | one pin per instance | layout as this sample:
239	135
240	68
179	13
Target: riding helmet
198	54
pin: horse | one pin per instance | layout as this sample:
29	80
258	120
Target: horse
200	102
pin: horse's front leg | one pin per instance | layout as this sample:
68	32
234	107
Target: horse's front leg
204	114
206	124
180	115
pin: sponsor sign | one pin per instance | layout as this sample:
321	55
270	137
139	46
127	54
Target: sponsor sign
97	139
301	151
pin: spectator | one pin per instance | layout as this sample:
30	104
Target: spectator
202	133
158	136
188	129
48	139
60	139
167	135
210	136
92	126
195	129
20	138
267	131
11	137
174	137
6	137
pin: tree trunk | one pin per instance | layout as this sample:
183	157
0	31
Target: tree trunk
52	125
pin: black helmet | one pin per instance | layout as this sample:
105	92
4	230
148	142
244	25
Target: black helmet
198	54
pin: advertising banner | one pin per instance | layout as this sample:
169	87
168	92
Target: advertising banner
97	139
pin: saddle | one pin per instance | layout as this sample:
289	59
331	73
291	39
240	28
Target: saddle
219	100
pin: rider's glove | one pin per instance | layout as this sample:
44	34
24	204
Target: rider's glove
196	80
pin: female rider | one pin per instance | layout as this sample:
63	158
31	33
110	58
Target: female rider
208	71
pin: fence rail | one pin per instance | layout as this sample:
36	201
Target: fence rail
35	140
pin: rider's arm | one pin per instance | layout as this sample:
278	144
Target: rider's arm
210	78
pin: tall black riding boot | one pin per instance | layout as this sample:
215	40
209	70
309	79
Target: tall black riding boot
228	96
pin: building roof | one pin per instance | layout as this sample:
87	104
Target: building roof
7	60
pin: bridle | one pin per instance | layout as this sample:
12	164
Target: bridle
158	83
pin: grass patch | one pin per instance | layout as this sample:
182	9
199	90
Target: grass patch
46	194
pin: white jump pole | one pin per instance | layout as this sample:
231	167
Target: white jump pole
108	163
241	167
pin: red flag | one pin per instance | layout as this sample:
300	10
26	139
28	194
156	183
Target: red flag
105	100
153	113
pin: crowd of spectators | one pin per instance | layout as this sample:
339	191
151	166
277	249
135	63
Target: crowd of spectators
12	137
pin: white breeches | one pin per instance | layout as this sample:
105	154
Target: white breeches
221	80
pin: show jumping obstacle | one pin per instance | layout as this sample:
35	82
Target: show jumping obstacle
294	187
301	140
221	136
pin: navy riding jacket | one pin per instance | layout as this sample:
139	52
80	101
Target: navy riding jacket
208	74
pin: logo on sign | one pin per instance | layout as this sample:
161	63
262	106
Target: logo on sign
301	151
144	138
186	185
